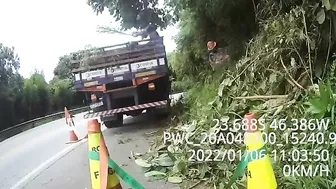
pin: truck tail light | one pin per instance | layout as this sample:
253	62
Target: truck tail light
93	98
151	86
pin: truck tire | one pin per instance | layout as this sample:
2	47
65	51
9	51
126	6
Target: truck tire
115	123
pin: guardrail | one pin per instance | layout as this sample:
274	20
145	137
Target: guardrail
19	128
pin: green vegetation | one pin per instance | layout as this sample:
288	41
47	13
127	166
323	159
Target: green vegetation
24	99
282	66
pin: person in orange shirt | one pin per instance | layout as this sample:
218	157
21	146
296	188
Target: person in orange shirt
217	56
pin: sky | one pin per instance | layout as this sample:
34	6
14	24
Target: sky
43	30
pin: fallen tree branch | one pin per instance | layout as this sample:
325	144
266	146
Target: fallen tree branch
261	97
194	185
293	80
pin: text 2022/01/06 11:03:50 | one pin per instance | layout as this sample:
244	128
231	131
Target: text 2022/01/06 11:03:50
296	162
291	155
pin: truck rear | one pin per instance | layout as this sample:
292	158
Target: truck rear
125	79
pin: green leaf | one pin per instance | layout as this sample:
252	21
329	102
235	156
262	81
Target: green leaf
326	4
333	183
219	105
320	17
316	106
333	4
191	128
213	101
180	166
333	114
221	186
326	94
312	44
142	163
278	110
165	161
203	170
225	82
175	180
293	62
154	173
263	85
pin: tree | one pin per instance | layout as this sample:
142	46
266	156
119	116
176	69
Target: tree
23	99
62	93
136	13
37	95
9	64
62	70
16	96
9	84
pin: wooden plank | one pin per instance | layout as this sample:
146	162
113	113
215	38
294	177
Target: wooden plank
128	61
128	57
145	40
125	52
117	50
119	58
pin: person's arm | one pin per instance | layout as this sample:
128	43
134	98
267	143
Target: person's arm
142	33
212	57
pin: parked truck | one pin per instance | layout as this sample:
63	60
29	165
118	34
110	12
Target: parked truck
125	79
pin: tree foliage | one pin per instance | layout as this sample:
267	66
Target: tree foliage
23	99
137	13
9	64
63	68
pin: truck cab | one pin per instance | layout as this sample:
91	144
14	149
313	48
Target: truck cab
125	79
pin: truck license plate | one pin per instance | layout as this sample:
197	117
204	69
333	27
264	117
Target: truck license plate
95	105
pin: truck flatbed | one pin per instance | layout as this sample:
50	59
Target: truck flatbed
124	63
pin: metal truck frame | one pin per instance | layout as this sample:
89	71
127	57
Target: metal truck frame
126	79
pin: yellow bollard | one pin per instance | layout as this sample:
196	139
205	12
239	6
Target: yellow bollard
102	177
260	173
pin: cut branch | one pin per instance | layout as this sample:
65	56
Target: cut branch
293	80
261	97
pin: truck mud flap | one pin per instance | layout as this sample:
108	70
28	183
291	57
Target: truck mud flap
158	104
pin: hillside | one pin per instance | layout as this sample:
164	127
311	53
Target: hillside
281	68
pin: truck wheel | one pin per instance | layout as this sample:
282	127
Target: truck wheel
115	123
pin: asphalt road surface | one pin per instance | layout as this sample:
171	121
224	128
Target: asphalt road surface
24	152
40	157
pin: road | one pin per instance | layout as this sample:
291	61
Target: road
24	152
40	157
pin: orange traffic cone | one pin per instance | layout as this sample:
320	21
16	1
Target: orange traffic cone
69	121
102	176
73	136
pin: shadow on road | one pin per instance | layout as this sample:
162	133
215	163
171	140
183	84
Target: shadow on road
143	122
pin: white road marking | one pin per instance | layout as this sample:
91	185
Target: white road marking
38	170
